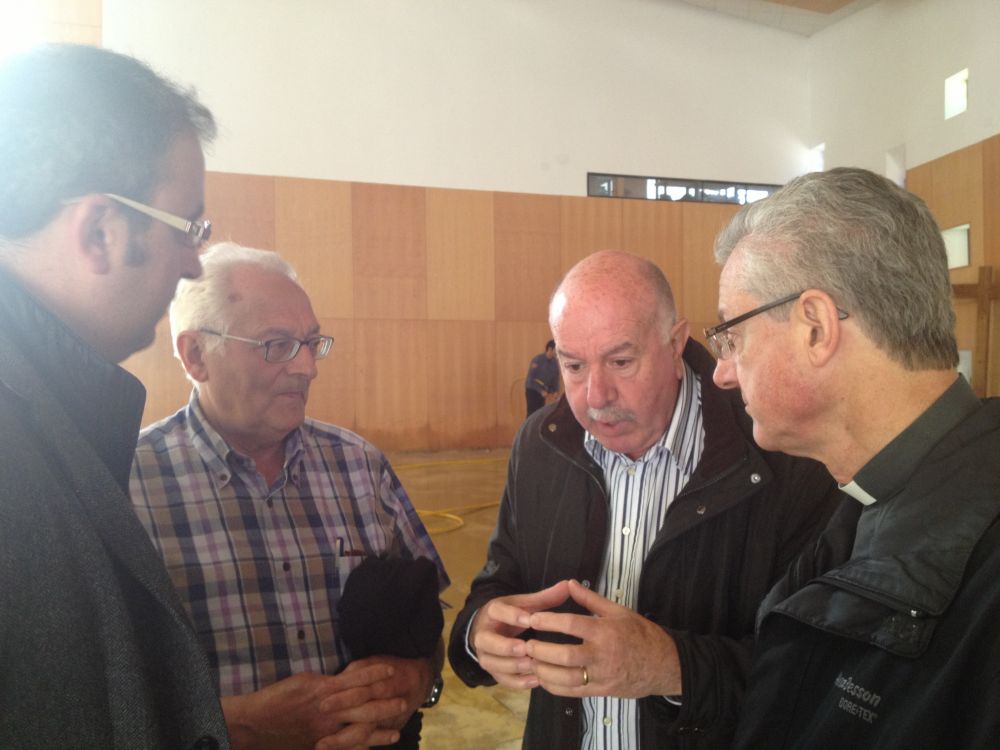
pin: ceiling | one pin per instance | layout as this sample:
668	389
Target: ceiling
803	17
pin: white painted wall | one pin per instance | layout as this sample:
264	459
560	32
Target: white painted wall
521	95
530	95
878	80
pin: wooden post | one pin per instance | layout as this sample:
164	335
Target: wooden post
983	292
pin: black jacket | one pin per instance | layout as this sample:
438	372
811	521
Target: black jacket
727	537
95	648
892	640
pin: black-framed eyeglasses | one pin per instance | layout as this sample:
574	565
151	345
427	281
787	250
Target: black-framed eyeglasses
285	348
720	340
197	232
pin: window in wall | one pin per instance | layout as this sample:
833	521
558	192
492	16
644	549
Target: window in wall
675	189
956	243
817	158
956	94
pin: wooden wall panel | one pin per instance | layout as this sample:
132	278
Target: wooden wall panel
312	230
991	204
74	21
390	252
516	343
461	266
241	207
702	223
958	199
391	383
527	240
589	225
333	394
461	384
655	230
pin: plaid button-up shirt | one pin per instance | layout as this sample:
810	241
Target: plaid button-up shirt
261	568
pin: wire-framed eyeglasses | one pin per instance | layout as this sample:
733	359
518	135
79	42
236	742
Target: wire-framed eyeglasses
720	338
197	232
284	348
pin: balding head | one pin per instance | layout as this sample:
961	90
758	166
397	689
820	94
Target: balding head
618	278
620	349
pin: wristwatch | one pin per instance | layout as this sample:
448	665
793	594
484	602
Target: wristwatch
435	694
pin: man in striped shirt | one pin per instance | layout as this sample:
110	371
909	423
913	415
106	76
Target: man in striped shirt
640	510
261	513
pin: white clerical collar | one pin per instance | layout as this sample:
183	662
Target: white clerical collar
855	490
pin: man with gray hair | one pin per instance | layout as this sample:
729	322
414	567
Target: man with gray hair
262	516
839	331
101	194
639	508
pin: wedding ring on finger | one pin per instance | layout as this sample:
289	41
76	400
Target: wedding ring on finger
586	677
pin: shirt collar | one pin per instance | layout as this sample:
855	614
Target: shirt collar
223	459
884	475
674	439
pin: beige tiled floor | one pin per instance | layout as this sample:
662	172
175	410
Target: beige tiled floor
457	494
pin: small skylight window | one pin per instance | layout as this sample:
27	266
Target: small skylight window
956	94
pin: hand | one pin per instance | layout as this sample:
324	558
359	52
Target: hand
307	711
495	631
625	655
411	681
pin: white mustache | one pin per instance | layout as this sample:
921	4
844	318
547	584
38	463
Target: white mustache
611	414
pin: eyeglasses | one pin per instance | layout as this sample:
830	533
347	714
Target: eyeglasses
197	232
720	340
283	349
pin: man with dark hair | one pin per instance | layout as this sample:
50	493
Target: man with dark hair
839	331
542	379
100	200
640	509
101	190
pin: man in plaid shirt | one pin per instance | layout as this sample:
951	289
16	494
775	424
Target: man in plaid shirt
260	514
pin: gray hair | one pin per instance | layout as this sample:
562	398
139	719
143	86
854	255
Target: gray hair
200	303
869	244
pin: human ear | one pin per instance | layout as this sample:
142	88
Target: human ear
679	335
817	316
192	355
94	230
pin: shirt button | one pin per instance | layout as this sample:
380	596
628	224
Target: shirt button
569	712
270	503
626	531
552	428
755	478
286	566
700	510
301	635
631	471
607	721
585	584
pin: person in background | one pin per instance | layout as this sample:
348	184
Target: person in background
100	203
542	379
839	330
262	515
639	509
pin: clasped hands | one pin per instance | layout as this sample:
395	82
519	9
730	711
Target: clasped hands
362	706
621	653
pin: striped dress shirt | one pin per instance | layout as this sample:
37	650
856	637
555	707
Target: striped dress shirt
639	493
261	568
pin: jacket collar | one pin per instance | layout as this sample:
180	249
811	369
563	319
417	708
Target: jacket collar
42	360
